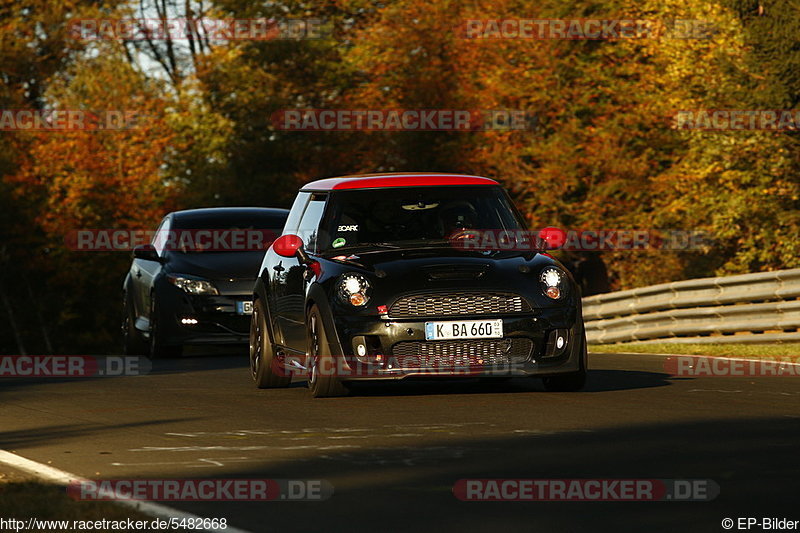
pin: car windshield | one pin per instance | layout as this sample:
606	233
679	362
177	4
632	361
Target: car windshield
224	232
412	217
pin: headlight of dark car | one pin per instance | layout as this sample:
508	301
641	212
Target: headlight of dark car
553	282
192	285
353	289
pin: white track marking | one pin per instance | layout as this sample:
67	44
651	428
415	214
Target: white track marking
215	448
715	390
249	432
60	477
205	462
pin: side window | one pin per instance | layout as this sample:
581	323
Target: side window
160	237
298	207
308	230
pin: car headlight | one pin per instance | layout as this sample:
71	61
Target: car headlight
352	288
192	285
553	282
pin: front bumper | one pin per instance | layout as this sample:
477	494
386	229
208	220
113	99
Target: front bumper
397	349
203	319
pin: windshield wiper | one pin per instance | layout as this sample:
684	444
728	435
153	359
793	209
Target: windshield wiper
384	245
387	245
359	247
401	245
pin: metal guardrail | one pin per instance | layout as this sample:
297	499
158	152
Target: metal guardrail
747	308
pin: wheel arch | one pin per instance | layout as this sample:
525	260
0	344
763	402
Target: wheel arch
316	295
260	294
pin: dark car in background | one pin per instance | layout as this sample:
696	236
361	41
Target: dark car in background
193	283
369	282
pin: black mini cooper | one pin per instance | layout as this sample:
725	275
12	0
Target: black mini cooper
370	280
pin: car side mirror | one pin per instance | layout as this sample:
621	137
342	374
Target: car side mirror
146	252
290	245
552	238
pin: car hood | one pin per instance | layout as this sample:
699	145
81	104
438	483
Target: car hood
217	265
399	271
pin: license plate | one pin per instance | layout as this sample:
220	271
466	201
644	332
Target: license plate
244	308
464	329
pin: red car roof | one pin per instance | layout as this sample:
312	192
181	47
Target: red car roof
378	181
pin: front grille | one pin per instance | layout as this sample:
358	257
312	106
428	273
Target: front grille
479	352
459	303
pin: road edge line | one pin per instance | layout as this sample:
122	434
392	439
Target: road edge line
61	477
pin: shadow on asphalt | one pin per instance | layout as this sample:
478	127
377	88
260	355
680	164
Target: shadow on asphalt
175	365
409	488
10	440
599	381
200	363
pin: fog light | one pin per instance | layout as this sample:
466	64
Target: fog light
188	321
367	349
557	342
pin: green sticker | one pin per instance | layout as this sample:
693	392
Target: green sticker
338	243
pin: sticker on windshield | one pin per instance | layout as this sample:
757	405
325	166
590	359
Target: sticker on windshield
351	227
338	243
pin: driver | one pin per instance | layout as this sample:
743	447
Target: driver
457	216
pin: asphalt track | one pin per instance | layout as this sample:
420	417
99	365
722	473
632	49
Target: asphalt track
394	452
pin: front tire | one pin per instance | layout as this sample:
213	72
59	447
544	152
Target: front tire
573	381
322	379
263	366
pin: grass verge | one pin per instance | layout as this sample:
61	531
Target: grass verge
33	499
720	350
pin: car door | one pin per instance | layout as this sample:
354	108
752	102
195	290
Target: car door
294	280
274	270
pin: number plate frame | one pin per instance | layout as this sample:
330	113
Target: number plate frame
464	329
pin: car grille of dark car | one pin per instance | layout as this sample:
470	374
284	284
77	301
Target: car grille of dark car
472	353
459	303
